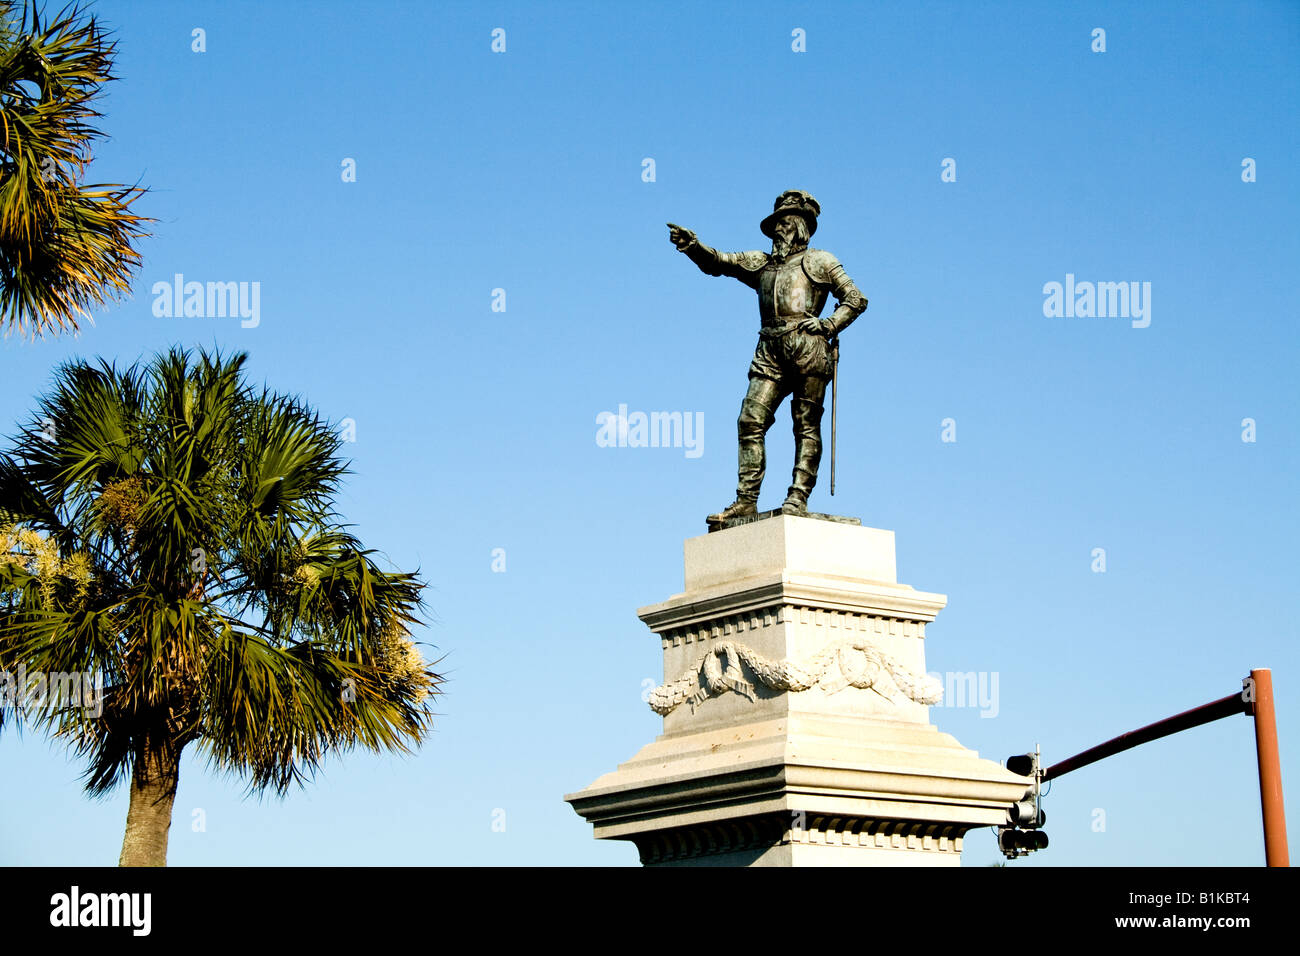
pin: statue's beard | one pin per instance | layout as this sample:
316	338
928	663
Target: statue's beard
784	247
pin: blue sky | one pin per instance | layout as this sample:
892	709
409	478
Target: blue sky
476	430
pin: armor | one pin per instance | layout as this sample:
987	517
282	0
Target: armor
744	266
788	360
825	270
787	292
795	287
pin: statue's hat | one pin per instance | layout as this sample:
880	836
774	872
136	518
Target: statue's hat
792	202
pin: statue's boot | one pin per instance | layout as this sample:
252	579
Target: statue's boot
755	419
807	416
737	509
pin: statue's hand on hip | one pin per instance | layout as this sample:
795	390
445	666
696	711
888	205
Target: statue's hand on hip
817	327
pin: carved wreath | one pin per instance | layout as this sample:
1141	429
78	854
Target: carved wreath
846	663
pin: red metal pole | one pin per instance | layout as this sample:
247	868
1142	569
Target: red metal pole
1270	769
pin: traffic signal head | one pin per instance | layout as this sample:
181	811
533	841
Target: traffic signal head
1026	814
1008	842
1014	843
1024	764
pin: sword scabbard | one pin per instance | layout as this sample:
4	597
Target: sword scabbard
835	378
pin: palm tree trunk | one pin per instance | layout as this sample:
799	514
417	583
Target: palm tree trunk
149	817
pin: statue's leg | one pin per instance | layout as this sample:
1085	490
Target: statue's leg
806	408
757	412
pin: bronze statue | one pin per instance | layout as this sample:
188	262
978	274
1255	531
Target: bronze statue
796	351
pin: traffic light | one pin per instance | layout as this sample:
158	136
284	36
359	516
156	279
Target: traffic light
1024	764
1021	834
1014	843
1027	813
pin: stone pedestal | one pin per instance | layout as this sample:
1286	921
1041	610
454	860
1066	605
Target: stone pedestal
796	714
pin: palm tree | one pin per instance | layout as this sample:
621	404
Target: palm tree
64	246
167	533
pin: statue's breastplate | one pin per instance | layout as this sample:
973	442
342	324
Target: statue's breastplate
785	292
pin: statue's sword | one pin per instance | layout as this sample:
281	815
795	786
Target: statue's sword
835	377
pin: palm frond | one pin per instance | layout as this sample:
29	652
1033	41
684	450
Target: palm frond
65	246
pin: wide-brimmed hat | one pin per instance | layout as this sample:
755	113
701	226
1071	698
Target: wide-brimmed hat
792	202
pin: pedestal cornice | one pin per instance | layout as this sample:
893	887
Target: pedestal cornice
809	590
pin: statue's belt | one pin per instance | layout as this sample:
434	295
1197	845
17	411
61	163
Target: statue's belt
776	331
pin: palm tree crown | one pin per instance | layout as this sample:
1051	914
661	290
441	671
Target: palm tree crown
168	531
64	246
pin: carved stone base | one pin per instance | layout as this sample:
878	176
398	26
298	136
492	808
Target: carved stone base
796	714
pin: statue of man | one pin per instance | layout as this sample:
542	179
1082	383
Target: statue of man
795	347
